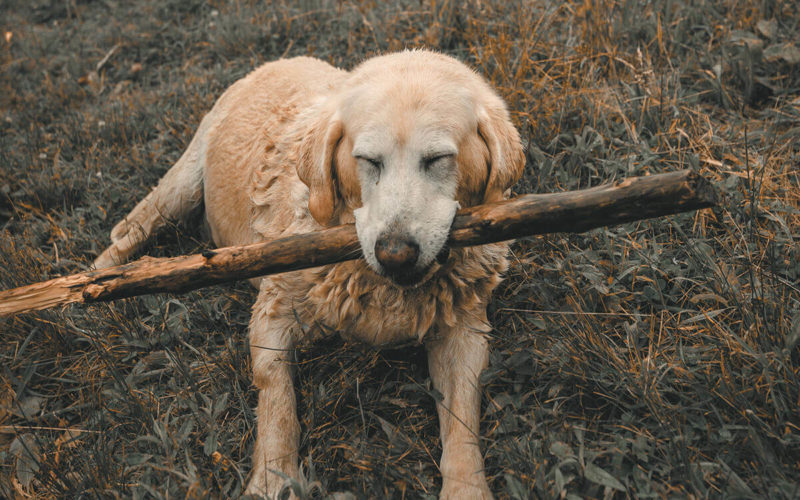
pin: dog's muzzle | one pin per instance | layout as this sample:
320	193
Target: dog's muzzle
398	255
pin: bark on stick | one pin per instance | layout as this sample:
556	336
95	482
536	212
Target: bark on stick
570	212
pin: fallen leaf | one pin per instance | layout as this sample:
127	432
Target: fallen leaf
787	51
597	475
561	450
746	38
26	451
768	28
28	407
69	437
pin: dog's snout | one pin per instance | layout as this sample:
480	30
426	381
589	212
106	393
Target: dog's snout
396	253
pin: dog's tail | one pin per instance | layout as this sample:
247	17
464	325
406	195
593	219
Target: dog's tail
177	194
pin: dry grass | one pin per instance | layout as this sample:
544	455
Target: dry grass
656	359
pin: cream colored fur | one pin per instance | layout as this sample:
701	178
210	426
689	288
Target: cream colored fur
400	142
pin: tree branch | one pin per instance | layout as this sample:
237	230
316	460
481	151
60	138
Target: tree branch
572	212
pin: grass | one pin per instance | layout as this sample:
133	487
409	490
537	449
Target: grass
656	359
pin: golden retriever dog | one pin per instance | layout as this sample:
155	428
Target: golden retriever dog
395	146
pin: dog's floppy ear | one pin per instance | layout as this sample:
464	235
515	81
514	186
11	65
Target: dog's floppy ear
506	158
316	168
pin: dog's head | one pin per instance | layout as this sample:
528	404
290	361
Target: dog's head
409	138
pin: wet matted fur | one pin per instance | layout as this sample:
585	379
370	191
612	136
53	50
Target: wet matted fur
395	146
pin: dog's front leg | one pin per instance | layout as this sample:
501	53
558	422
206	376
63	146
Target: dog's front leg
456	358
278	431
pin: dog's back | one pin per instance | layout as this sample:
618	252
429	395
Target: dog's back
247	121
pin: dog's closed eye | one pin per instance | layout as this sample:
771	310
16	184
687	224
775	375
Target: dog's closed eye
375	163
429	161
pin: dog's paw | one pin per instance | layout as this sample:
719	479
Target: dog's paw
126	239
108	258
279	488
461	490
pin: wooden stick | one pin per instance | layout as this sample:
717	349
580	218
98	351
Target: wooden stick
572	212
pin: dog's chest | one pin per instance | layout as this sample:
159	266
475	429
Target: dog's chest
348	299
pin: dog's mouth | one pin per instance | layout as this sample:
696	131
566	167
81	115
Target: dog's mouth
418	276
443	255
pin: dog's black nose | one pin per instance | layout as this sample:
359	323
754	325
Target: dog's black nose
396	253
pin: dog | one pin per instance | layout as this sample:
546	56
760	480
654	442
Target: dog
394	146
